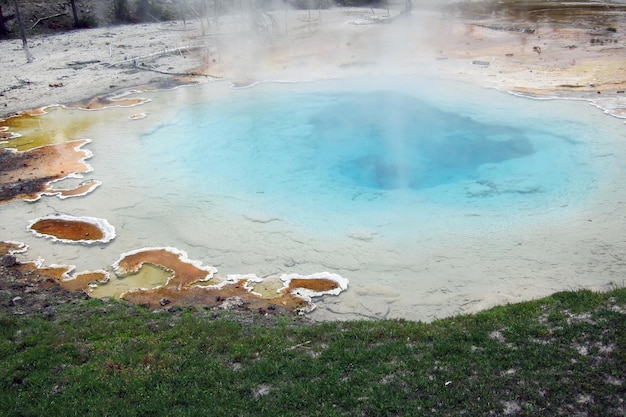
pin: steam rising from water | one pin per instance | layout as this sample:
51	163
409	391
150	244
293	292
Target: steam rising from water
389	140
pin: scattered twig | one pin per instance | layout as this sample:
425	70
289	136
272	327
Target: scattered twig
159	53
12	87
22	80
83	63
176	74
180	49
299	345
508	28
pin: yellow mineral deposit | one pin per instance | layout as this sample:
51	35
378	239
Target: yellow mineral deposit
41	127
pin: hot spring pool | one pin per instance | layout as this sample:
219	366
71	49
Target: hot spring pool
431	197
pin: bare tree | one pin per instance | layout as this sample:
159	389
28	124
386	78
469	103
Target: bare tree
20	24
75	14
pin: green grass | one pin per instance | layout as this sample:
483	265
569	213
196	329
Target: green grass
562	355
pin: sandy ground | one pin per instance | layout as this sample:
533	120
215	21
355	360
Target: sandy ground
536	59
552	60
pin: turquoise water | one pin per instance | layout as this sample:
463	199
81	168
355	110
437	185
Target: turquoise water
328	153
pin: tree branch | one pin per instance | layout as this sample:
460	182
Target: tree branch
41	19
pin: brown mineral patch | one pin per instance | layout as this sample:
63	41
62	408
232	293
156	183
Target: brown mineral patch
184	273
233	293
82	281
11	248
47	277
188	296
209	297
68	229
53	274
84	188
27	175
312	284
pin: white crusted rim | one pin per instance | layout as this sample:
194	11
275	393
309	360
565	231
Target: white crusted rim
306	293
21	246
233	279
69	269
108	231
94	184
88	154
105	279
13	135
61	193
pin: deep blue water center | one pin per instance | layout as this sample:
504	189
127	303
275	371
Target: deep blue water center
388	140
316	153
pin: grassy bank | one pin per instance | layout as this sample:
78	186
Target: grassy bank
562	355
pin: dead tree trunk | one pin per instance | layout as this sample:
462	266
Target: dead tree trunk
75	13
20	24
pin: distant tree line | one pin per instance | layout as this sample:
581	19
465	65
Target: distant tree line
133	11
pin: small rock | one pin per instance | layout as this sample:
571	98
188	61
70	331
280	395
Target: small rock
8	261
174	309
261	391
17	301
164	301
48	312
231	303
